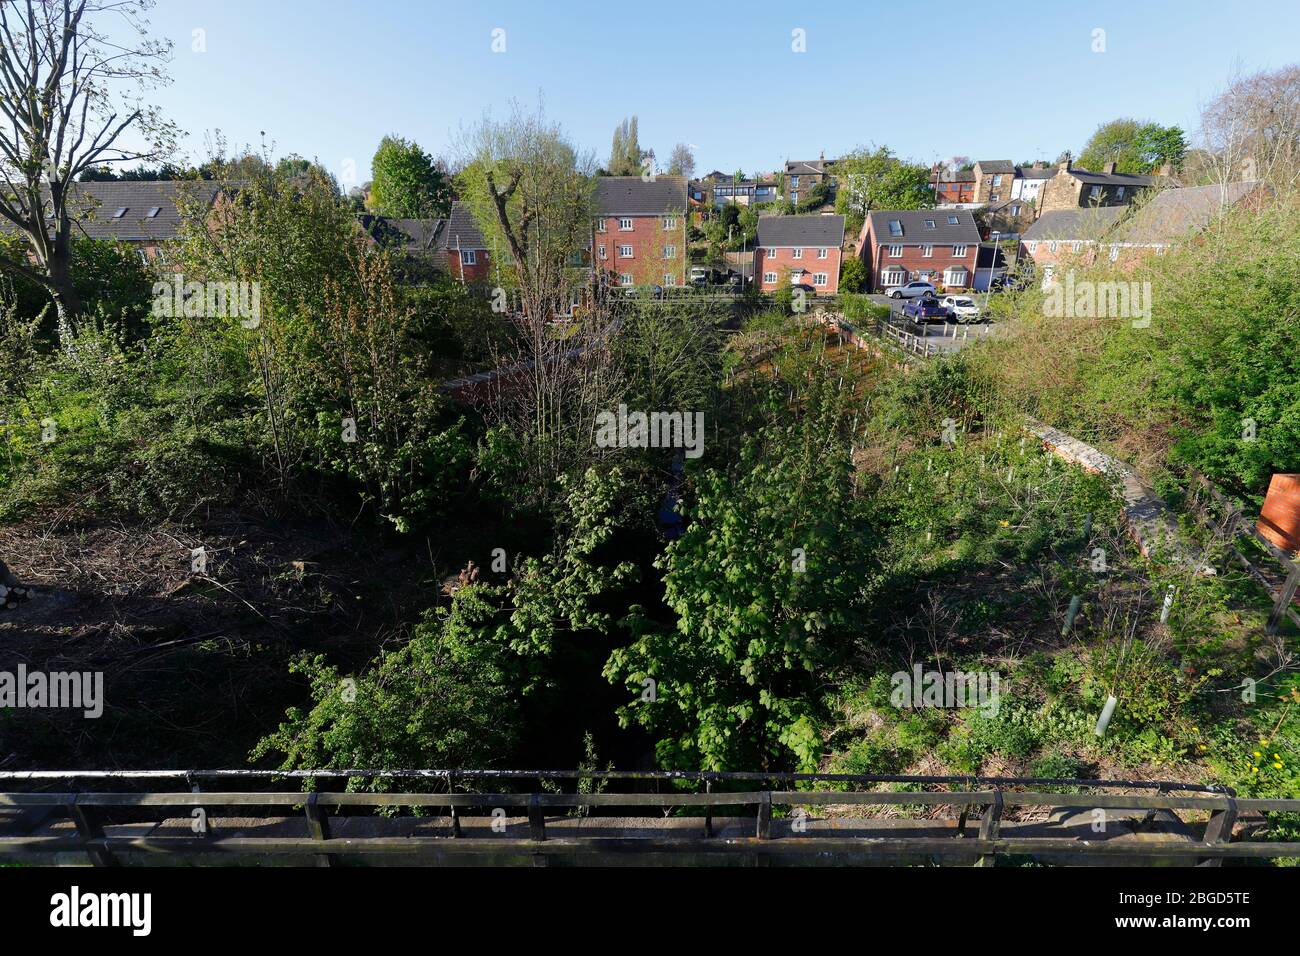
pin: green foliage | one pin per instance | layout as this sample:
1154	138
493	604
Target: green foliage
874	178
853	275
765	588
406	183
1134	147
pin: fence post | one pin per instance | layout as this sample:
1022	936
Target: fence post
989	825
708	810
90	828
1219	830
536	821
1284	599
318	824
764	815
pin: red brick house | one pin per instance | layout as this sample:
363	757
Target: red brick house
467	255
640	232
934	245
799	250
952	185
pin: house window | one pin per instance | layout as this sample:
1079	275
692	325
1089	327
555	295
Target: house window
796	253
794	197
1095	192
895	227
153	212
895	252
600	251
600	225
927	251
670	279
625	252
1015	210
893	277
929	224
952	220
958	252
1076	245
670	222
820	278
769	277
625	278
771	253
468	257
822	253
1119	192
955	276
1031	246
1114	253
670	252
121	211
1052	246
625	224
794	181
997	181
993	197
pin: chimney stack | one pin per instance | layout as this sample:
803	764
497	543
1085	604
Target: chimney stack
1109	168
1064	165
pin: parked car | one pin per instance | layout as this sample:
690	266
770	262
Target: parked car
962	308
926	309
700	275
913	290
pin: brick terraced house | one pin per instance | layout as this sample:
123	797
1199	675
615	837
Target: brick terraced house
934	245
799	250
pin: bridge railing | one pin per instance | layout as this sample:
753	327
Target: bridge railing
98	818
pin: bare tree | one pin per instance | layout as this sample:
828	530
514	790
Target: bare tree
1252	131
532	194
682	161
72	77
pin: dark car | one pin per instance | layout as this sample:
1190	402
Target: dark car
926	309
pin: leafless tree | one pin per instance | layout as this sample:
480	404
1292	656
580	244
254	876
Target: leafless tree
72	78
1252	130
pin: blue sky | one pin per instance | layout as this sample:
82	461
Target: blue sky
327	78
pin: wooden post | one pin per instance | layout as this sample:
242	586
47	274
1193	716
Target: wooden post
708	811
536	821
989	824
1284	599
764	815
88	825
1219	830
318	824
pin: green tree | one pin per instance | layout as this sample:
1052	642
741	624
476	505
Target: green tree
853	275
407	183
874	178
1134	146
765	585
625	150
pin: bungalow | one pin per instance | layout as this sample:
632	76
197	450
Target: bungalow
799	250
640	232
935	245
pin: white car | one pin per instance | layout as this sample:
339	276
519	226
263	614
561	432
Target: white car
912	290
961	307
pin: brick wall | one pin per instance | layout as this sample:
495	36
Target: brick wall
647	237
781	261
877	259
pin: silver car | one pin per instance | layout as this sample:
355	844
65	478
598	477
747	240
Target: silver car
913	290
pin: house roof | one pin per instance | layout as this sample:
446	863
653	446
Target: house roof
1028	172
633	196
800	231
957	176
1173	213
915	230
1082	223
1090	178
461	230
806	167
410	234
996	166
94	206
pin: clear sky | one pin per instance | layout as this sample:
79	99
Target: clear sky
327	78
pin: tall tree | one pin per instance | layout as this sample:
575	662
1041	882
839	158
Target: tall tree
67	94
1252	130
874	178
1133	146
625	150
681	161
407	183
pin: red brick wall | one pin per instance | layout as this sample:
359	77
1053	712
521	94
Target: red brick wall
781	261
647	237
472	273
955	192
877	259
